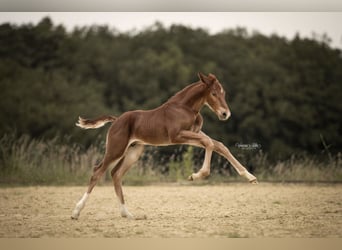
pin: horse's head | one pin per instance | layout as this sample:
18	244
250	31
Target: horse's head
215	97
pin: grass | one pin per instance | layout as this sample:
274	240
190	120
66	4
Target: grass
304	169
26	161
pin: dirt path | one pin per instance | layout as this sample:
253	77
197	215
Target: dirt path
234	210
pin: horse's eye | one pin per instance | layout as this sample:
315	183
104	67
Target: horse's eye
214	94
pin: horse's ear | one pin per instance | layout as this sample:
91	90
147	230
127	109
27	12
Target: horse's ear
212	76
205	79
201	76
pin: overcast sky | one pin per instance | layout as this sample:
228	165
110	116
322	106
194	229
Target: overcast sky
282	23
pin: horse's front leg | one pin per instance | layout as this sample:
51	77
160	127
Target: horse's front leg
199	140
221	149
205	169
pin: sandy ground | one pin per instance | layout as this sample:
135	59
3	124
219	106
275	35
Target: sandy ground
232	210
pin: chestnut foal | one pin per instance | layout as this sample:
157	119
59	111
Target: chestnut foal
178	121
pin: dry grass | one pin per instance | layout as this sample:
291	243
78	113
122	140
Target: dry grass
26	161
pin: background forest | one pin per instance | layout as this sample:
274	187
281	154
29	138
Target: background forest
285	97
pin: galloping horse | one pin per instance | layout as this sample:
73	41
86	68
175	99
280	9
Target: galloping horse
177	121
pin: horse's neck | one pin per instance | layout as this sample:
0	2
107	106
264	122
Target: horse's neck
191	96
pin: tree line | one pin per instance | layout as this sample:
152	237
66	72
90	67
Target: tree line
285	95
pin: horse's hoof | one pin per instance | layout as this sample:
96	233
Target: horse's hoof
254	181
190	178
75	215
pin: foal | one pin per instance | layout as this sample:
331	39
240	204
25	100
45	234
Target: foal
178	121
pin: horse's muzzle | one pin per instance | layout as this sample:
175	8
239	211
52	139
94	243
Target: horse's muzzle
224	115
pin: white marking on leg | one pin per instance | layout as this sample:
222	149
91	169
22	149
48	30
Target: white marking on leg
124	212
79	206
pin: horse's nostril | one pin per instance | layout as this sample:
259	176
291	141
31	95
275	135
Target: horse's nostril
224	114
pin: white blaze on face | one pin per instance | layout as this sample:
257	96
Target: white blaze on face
221	89
229	113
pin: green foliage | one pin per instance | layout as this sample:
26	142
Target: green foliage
283	94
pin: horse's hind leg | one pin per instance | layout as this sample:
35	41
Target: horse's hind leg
80	205
132	155
111	158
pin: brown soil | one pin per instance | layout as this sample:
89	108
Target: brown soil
233	210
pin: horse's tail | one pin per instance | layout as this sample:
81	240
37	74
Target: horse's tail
95	123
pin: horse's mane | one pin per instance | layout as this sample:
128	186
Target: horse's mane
182	93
